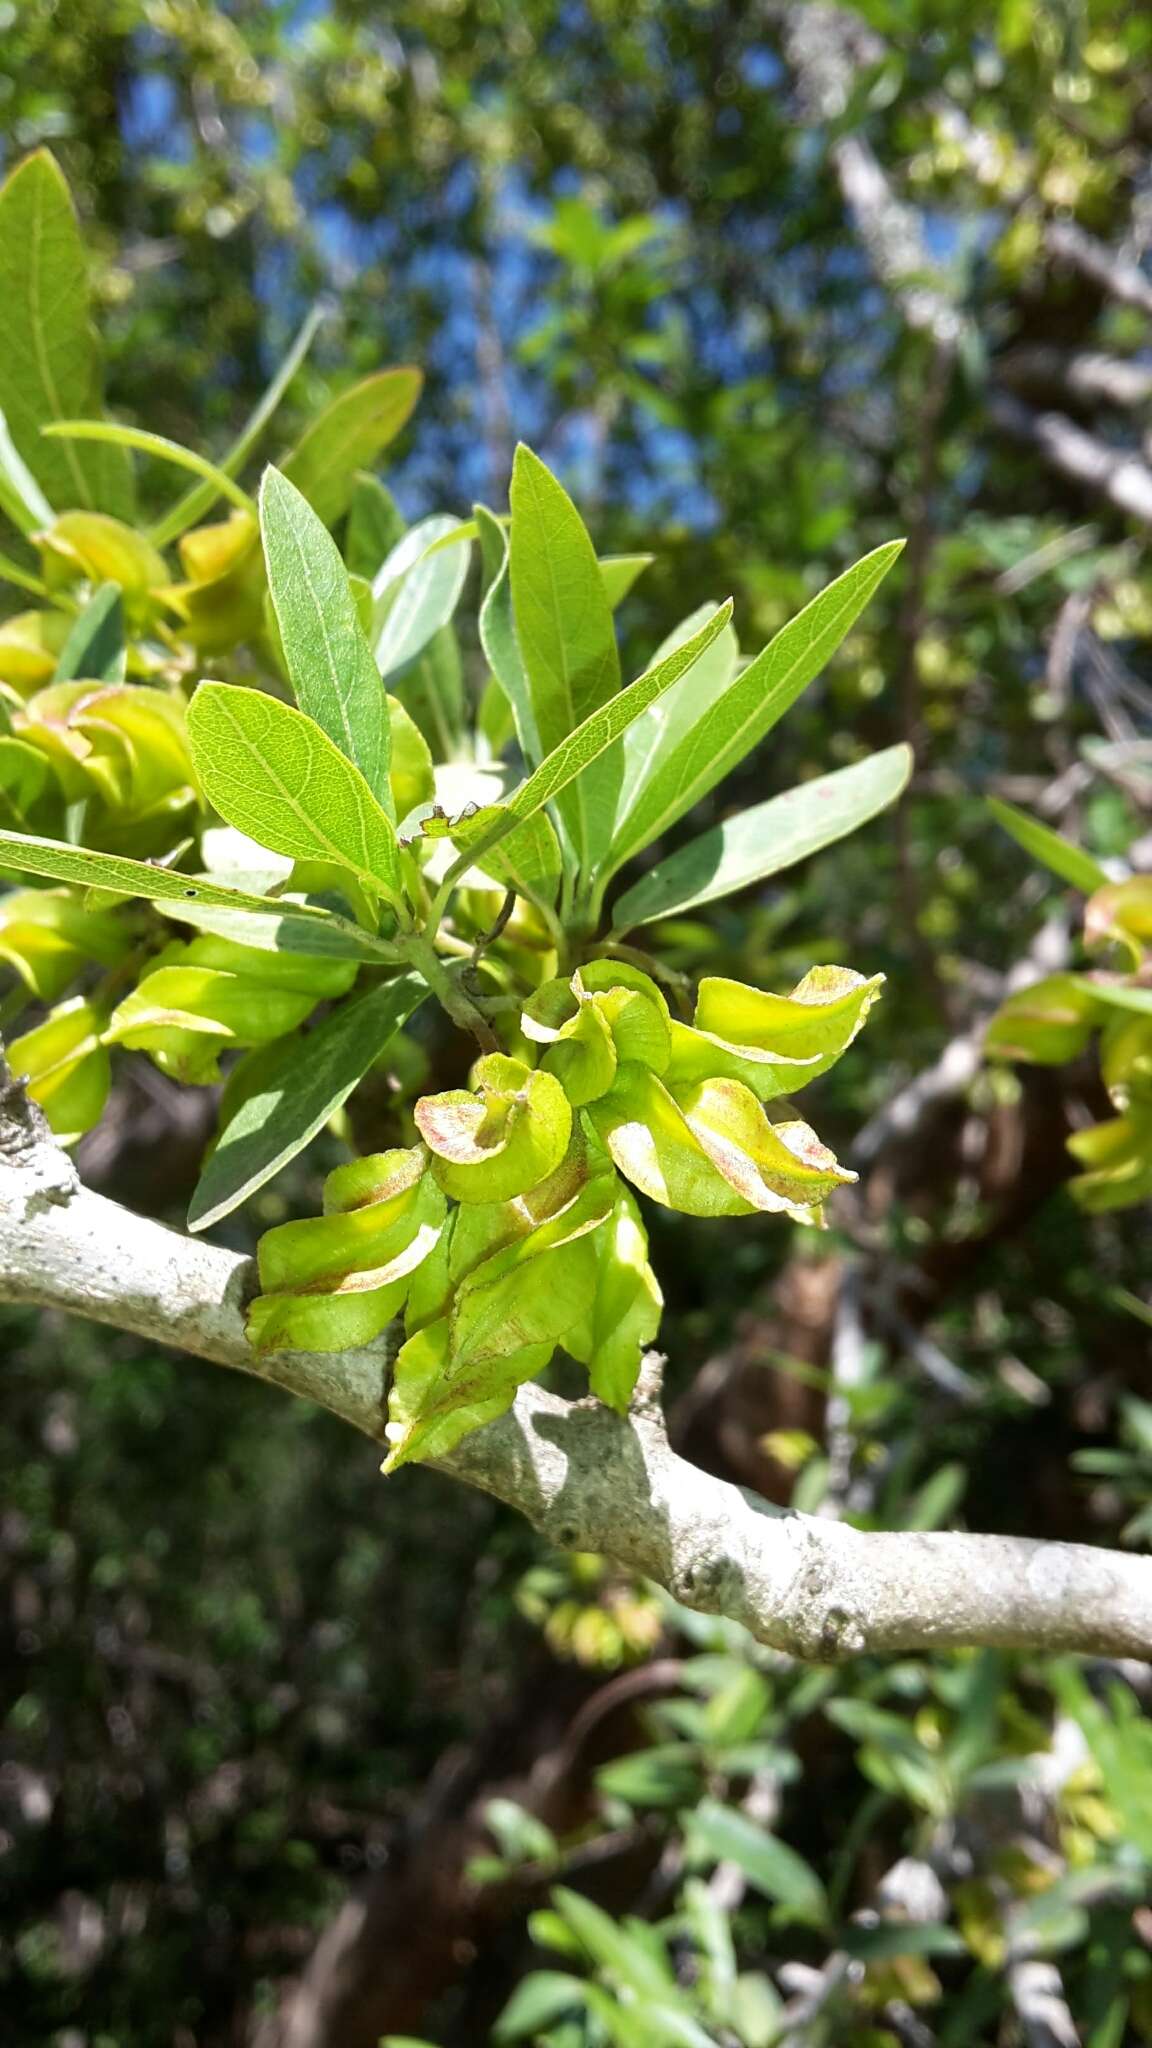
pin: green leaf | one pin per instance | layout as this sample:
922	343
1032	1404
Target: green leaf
202	496
769	1864
582	747
276	776
537	2003
417	589
528	860
375	526
1115	995
611	1947
20	494
301	1086
432	691
769	837
498	635
153	444
618	574
653	737
900	1938
27	787
1053	851
94	649
22	579
564	626
287	928
751	705
329	661
49	366
87	870
348	436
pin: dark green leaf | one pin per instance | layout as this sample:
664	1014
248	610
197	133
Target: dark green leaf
375	526
94	649
301	1086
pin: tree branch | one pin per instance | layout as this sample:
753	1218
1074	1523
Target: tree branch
1114	274
586	1478
1116	474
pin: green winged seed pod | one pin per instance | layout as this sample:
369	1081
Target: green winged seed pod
624	1315
607	1012
1047	1024
66	1068
1117	1161
1121	914
337	1280
48	936
499	1325
774	1044
501	1139
715	1153
211	995
1126	1059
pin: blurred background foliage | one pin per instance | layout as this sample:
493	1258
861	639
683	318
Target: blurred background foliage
296	1761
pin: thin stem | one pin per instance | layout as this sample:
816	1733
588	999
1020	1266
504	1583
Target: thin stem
451	996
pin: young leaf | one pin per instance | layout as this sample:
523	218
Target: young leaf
303	1084
375	526
1054	852
329	661
723	1833
417	589
769	837
750	706
275	775
647	743
159	445
618	573
121	877
589	740
498	635
27	786
94	649
49	367
202	496
348	436
20	494
564	623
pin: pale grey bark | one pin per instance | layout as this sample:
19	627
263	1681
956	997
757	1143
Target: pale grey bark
1116	474
586	1478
